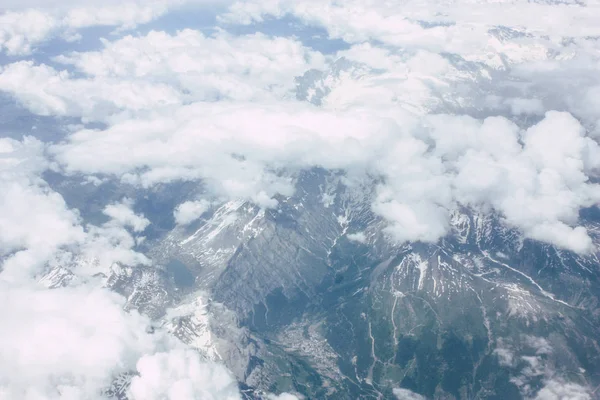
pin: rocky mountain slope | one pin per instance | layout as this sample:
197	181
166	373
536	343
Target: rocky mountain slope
312	298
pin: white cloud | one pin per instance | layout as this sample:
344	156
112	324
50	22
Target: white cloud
505	356
71	343
137	74
541	345
20	30
123	214
559	390
525	106
539	185
405	394
283	396
468	28
47	91
127	14
110	243
179	375
26	24
190	211
29	238
38	219
359	237
66	343
210	68
35	221
538	368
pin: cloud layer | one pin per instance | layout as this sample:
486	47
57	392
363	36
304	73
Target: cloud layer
220	109
24	25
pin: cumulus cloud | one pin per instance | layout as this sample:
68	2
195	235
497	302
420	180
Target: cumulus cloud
179	375
248	150
559	390
66	343
157	71
47	91
359	237
537	178
531	370
217	67
283	396
20	30
540	345
72	343
405	394
469	29
539	187
421	185
108	244
123	214
190	211
35	221
26	24
505	356
525	106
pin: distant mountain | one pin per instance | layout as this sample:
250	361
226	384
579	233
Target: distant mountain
312	298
